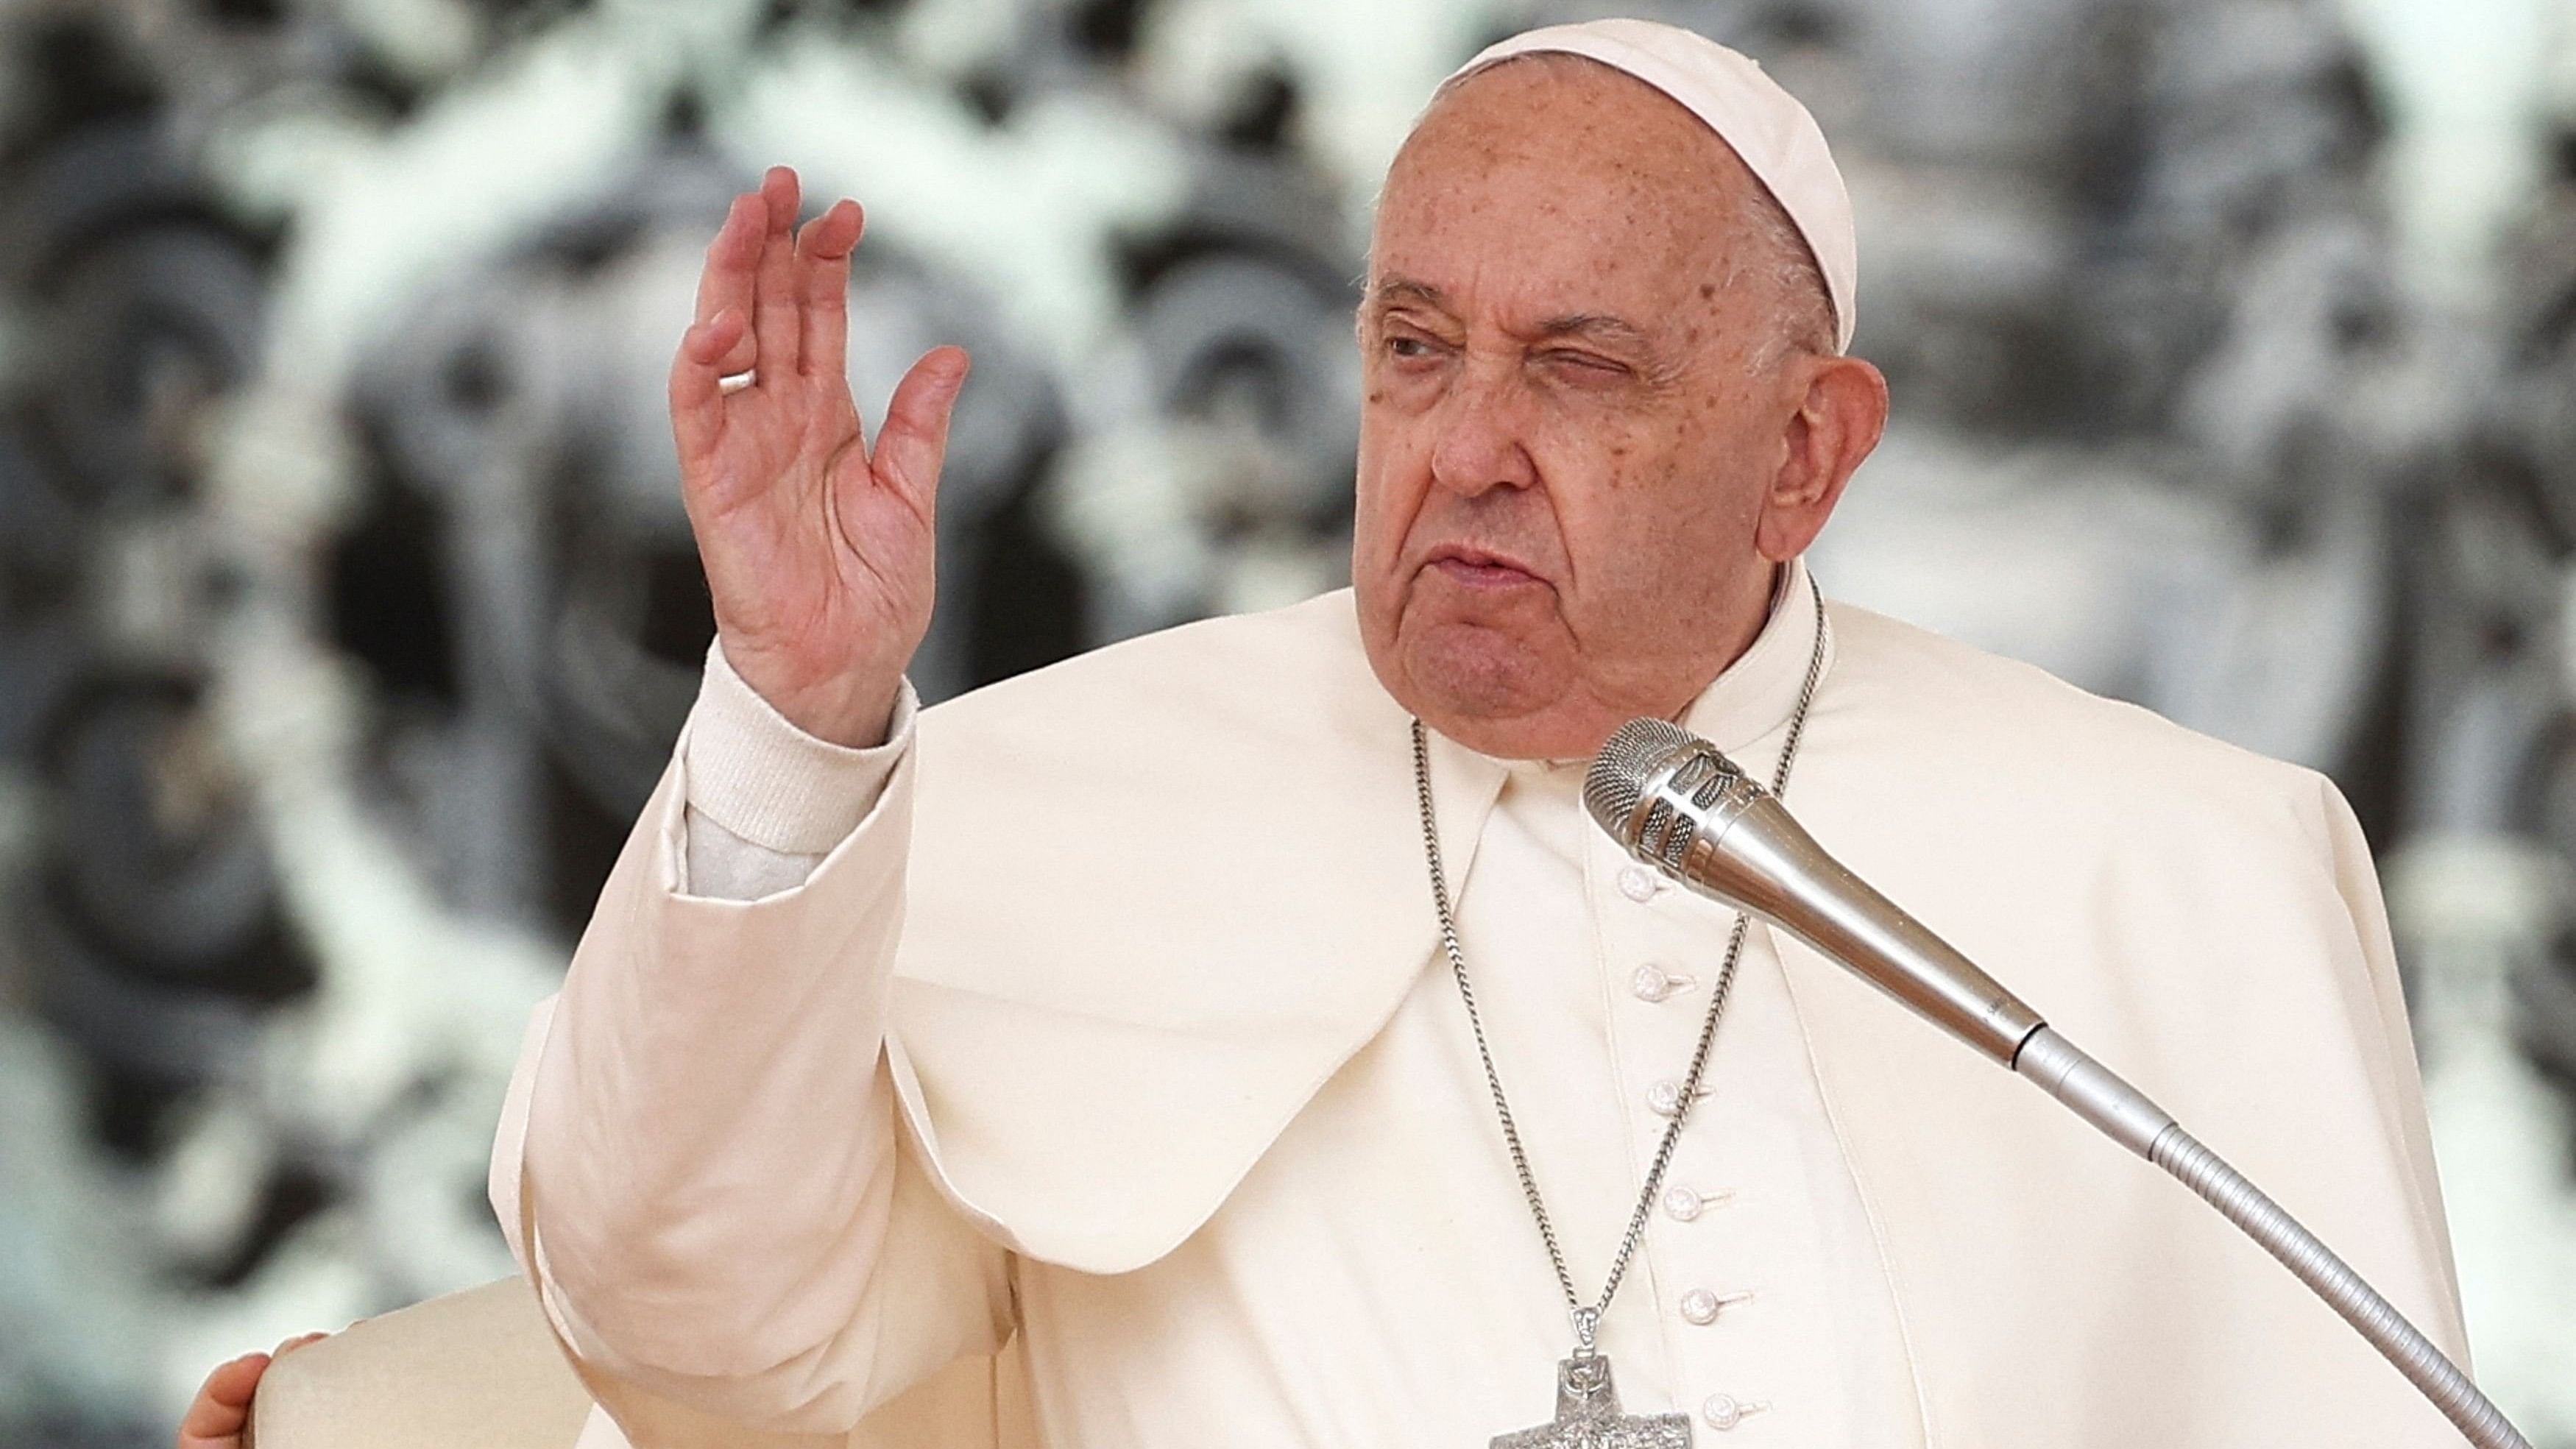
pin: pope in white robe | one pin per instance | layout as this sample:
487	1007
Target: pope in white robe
1077	1062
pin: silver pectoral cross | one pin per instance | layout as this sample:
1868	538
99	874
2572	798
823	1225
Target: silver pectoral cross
1588	1417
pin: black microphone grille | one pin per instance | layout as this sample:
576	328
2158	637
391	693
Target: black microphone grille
1617	780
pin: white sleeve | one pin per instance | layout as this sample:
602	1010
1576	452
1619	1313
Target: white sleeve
767	801
702	1166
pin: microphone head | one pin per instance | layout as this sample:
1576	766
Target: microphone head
1616	782
1654	786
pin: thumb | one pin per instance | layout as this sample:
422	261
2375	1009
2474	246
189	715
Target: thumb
914	442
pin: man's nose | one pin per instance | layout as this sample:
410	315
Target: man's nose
1483	425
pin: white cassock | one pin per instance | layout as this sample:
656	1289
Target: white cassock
1177	1135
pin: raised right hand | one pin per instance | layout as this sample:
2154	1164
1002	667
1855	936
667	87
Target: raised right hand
818	549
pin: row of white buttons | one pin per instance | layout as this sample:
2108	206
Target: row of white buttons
1699	1306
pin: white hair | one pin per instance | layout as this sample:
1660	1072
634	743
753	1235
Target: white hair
1780	257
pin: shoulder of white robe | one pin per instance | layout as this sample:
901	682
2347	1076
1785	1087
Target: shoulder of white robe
2201	918
1225	899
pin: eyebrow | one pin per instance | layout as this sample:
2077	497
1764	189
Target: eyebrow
1403	290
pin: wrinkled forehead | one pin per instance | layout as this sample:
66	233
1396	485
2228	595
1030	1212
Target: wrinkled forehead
1570	109
1557	165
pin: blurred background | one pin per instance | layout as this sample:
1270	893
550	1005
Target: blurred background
347	612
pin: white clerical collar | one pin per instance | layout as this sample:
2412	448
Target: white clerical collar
1756	694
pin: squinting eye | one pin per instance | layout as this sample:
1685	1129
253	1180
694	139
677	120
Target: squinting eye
1409	349
1584	362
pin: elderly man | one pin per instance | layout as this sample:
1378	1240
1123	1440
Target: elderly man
1241	1034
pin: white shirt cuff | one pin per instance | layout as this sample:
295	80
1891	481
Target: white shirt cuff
773	785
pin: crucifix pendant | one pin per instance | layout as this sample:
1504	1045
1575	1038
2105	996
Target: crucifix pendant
1588	1417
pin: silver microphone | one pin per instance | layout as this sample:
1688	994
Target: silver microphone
1674	802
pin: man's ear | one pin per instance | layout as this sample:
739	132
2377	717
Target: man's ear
1835	426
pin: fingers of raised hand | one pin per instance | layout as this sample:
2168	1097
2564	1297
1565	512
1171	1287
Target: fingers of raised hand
776	323
705	358
823	282
914	441
719	343
773	303
727	283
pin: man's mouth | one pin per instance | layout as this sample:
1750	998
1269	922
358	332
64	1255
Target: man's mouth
1477	568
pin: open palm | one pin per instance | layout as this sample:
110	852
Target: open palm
817	547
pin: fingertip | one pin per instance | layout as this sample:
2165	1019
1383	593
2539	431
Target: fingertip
232	1382
842	226
741	222
778	189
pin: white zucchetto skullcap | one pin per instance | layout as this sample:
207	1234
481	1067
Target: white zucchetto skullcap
1779	142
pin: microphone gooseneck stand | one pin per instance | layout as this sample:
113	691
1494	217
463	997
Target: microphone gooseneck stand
1674	802
2094	1093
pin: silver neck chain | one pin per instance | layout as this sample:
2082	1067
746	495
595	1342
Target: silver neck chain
1587	1320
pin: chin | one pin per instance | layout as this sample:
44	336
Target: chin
1475	671
1488	677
